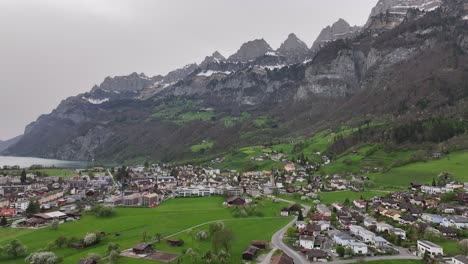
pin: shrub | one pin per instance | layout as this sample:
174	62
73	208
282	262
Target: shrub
102	211
90	239
43	258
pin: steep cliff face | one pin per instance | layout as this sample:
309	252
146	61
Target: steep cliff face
369	75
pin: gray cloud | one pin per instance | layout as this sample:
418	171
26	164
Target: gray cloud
52	49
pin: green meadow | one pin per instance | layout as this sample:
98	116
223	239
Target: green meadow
423	172
170	217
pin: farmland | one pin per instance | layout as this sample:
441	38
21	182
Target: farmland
168	218
423	172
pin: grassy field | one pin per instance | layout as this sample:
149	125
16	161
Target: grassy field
49	172
340	196
369	157
168	218
423	172
396	261
241	160
205	145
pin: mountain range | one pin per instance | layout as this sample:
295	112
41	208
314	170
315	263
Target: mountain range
408	62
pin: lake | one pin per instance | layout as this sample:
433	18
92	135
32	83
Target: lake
26	162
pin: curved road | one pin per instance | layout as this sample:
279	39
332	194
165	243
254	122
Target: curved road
277	240
277	243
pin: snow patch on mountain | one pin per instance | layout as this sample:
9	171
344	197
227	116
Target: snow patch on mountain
95	101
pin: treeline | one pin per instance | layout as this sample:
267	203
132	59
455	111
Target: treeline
434	130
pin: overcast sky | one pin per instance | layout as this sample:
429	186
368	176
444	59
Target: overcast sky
52	49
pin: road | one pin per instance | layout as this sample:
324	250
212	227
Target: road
277	240
277	243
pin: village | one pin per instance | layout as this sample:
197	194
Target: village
400	224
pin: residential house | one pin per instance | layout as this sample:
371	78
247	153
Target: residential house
383	227
359	204
368	221
460	259
379	241
429	247
359	248
365	235
447	231
316	255
432	218
301	225
306	241
323	210
285	212
282	259
459	222
399	232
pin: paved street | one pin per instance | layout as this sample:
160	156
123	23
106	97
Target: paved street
277	243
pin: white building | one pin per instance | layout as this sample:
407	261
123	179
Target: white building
306	242
399	232
301	224
358	248
455	221
429	247
383	227
460	259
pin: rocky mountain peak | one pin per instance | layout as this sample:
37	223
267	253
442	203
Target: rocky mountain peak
395	11
293	45
251	50
214	58
129	83
338	30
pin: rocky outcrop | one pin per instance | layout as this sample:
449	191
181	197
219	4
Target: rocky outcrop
388	14
339	30
294	49
251	50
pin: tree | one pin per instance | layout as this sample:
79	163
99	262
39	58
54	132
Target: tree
100	210
112	247
208	257
340	251
349	251
463	246
347	202
157	237
202	235
215	227
291	231
23	176
448	197
60	241
222	257
113	256
55	224
33	207
43	258
16	249
222	239
90	239
94	256
192	254
3	221
434	184
300	217
144	236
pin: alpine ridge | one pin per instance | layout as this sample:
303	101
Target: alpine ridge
411	67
